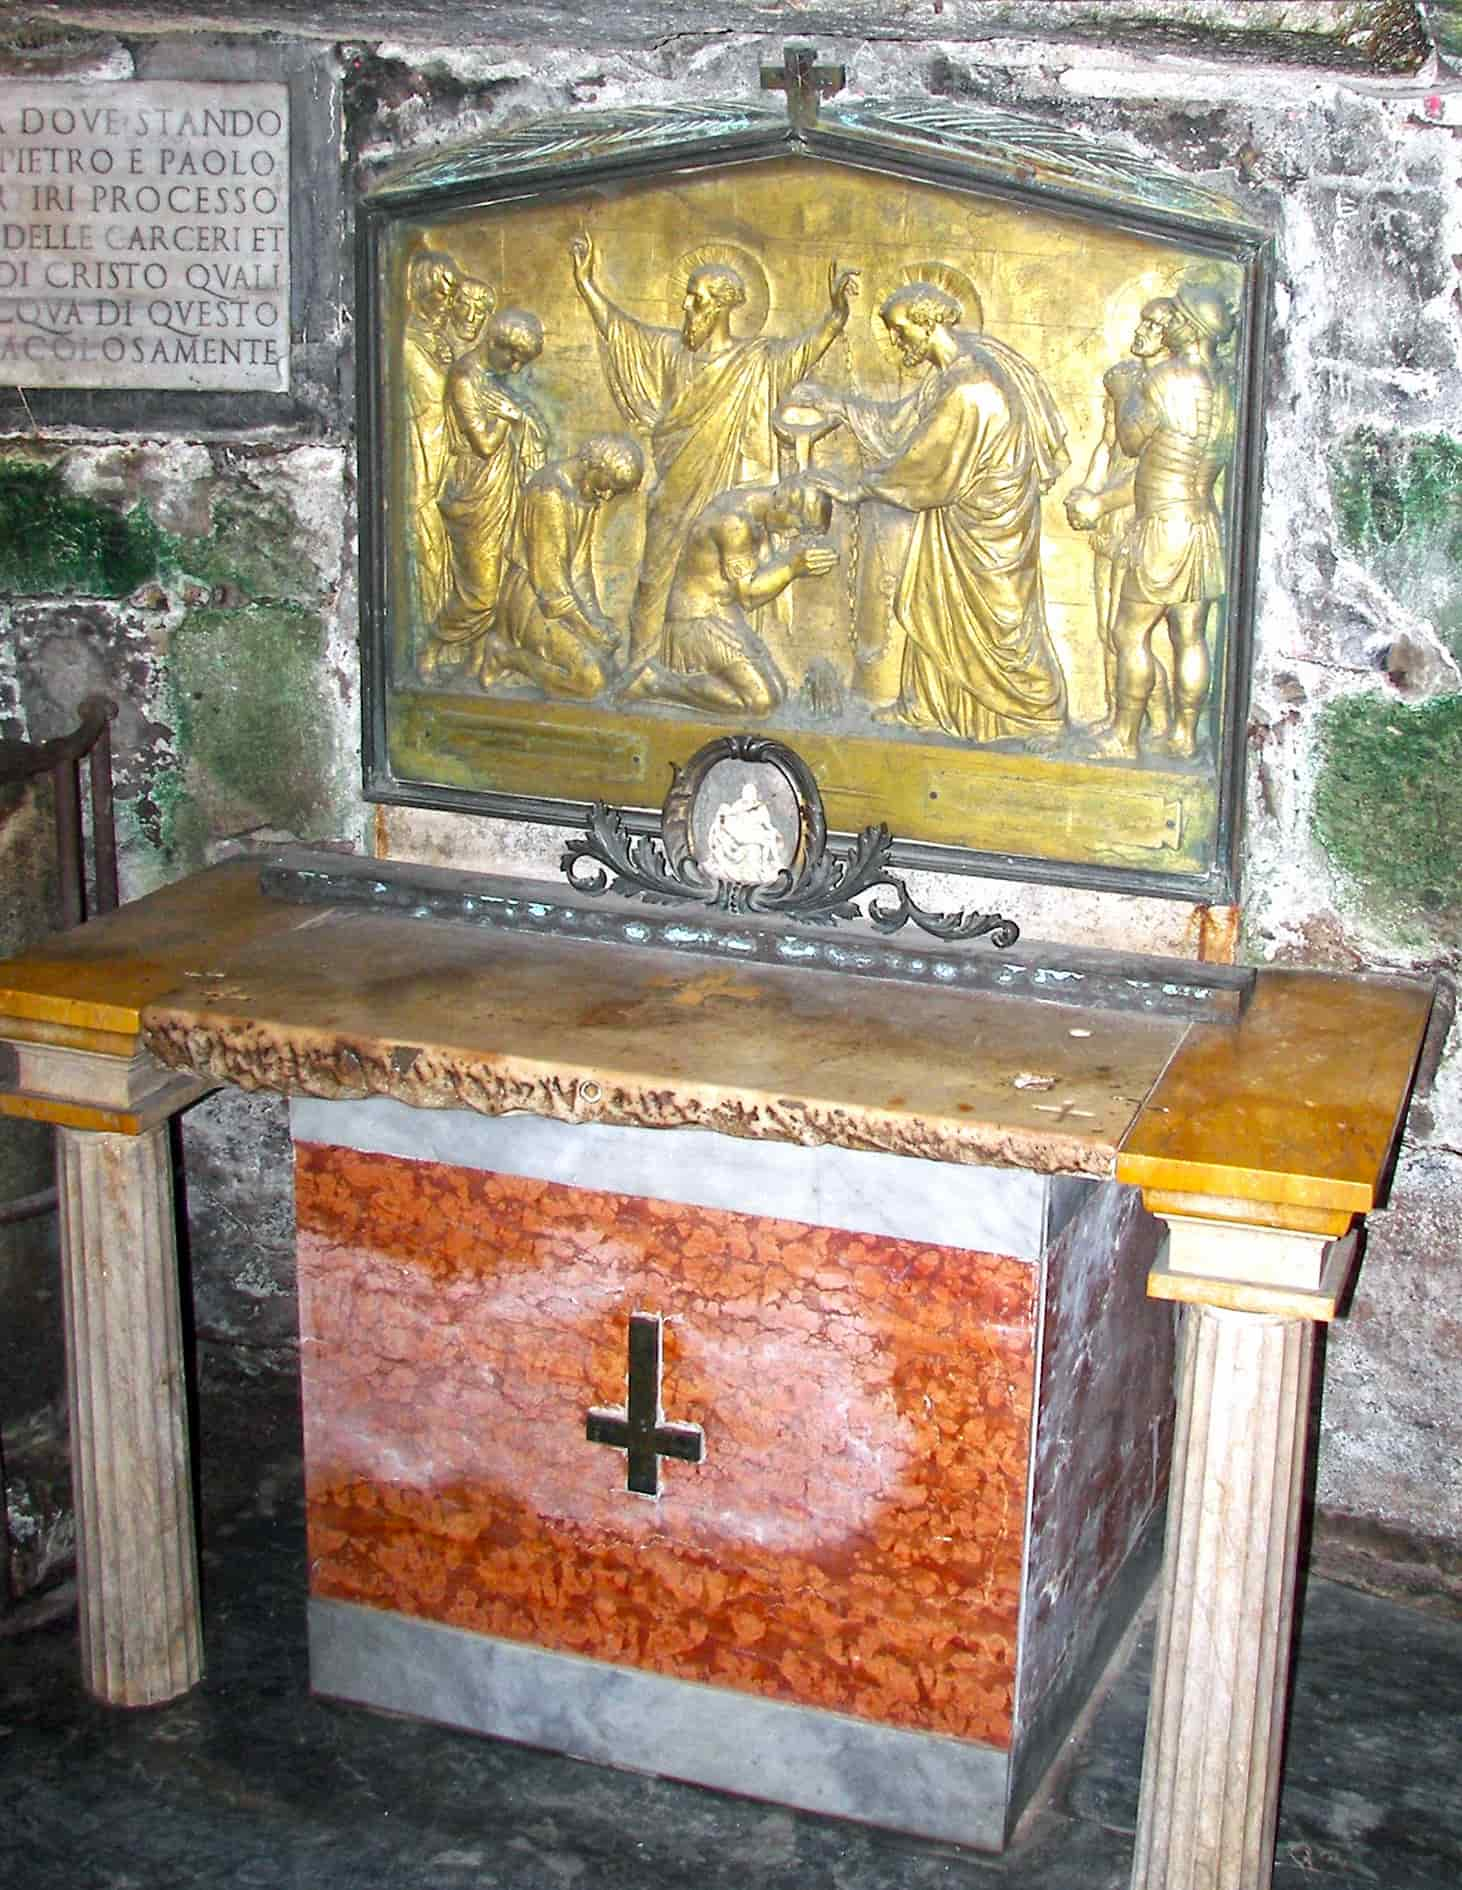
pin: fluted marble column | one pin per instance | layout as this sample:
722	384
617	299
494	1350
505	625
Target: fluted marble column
140	1636
1210	1783
1252	1295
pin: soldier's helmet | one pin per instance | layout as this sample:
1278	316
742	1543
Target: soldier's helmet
1207	308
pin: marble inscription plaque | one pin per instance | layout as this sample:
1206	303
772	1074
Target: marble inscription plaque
144	236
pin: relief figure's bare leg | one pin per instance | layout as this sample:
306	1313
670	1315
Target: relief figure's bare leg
1136	671
1160	702
1104	596
1192	675
738	689
1106	582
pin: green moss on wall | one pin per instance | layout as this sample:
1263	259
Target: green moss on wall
1393	488
171	823
1398	505
1445	19
254	549
55	543
251	722
1388	809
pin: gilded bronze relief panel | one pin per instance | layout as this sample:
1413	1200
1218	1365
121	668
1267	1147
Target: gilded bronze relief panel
944	490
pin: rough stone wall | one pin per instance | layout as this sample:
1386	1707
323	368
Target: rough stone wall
224	613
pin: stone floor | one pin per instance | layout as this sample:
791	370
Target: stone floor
250	1783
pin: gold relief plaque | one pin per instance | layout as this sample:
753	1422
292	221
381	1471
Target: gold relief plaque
922	440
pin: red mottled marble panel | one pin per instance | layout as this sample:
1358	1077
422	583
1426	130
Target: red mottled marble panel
853	1538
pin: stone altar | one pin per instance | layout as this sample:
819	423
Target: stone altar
1258	1139
930	1413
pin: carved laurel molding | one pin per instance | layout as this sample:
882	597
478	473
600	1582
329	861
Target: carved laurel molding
336	1069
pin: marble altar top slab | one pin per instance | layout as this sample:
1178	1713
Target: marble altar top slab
443	1016
1296	1104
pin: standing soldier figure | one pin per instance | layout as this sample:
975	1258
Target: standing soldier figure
1175	420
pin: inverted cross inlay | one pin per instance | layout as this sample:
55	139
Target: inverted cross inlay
640	1429
804	81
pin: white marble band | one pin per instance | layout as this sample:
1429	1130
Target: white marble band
925	1783
989	1210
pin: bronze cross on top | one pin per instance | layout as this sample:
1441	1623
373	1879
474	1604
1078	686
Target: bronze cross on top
804	81
640	1429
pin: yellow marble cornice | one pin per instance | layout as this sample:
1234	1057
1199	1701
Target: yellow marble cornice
1328	1223
90	984
1295	1107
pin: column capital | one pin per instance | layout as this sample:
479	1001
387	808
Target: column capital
1289	1263
98	1081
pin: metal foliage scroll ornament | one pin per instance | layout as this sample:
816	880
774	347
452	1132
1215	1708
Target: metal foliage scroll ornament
743	830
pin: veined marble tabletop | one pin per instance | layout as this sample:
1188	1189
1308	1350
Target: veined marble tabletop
438	1015
1296	1101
